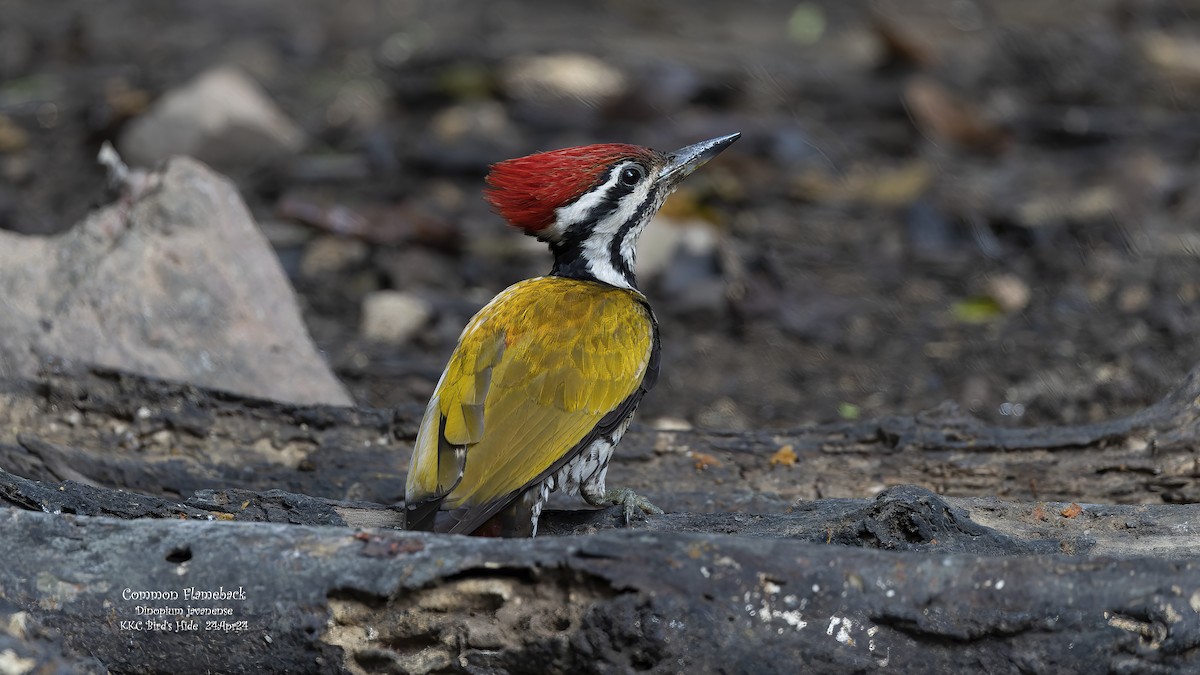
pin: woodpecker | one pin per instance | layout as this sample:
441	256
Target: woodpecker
546	377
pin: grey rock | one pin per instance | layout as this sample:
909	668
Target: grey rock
393	316
563	77
222	117
561	91
1010	292
658	246
177	283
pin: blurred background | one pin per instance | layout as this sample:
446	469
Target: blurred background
991	203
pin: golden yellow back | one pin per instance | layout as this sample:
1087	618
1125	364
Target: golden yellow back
534	372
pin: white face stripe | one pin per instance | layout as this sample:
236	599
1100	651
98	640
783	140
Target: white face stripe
578	210
598	246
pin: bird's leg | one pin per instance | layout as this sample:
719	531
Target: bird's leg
631	501
626	498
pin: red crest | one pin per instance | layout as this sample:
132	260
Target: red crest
526	191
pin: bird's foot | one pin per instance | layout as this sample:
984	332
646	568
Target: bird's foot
631	502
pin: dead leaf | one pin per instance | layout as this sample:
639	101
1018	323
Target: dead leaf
785	456
877	185
976	310
12	137
1039	513
1072	510
380	224
125	100
703	461
944	116
903	44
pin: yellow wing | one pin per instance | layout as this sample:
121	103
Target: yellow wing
533	374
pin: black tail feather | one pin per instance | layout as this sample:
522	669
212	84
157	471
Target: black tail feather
421	516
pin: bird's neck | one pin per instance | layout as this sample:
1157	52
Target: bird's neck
606	258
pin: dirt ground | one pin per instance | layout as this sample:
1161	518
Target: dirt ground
989	203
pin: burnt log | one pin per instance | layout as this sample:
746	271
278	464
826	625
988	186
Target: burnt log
190	596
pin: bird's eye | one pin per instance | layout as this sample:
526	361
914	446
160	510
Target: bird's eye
632	175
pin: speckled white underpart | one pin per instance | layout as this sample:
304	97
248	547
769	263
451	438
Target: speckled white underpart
585	474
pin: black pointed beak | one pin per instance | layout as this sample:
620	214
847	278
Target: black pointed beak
682	162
